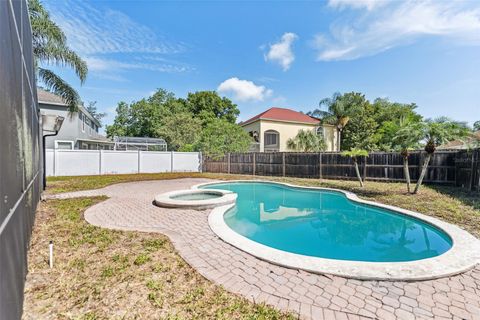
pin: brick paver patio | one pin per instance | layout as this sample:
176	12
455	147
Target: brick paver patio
312	296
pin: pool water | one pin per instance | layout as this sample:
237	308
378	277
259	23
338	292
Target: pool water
326	224
197	196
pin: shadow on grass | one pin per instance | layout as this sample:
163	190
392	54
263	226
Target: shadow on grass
469	198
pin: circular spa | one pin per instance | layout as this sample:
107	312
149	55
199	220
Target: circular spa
332	231
195	199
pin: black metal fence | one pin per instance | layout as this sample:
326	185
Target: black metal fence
20	170
454	167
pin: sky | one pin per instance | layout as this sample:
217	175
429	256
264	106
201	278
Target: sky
288	54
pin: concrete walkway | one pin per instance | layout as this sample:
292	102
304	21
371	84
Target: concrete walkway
312	296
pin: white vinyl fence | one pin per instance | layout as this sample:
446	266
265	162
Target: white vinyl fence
96	162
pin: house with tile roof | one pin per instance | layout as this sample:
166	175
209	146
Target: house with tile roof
272	128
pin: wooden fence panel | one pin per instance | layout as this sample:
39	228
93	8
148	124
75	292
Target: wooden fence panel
458	167
215	165
269	164
302	165
241	163
467	165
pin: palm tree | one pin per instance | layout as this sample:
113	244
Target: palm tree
306	141
437	132
354	154
50	47
407	138
339	109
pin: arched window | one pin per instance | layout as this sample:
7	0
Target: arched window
321	132
271	141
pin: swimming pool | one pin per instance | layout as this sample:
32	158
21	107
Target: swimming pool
333	231
326	224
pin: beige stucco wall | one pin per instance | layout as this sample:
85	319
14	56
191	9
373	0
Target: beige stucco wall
289	130
330	136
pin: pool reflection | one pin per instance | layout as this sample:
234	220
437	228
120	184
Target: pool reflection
326	224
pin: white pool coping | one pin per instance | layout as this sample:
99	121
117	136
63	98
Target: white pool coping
167	199
462	256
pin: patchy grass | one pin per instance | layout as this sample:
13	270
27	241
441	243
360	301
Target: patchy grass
106	274
450	204
76	183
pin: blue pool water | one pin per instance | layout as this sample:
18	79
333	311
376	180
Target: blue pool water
324	223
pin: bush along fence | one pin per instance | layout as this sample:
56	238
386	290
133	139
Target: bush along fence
451	167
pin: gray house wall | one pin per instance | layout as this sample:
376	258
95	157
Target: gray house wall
20	153
71	129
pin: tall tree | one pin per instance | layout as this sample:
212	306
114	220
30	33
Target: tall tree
387	115
437	132
361	130
407	137
50	47
208	105
338	110
92	109
121	123
180	130
220	137
306	141
354	154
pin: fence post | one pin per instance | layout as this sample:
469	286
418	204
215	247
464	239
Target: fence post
254	163
320	173
228	163
139	162
470	185
386	167
171	161
55	160
365	168
100	161
283	164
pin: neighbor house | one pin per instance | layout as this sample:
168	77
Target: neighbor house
469	142
79	129
271	129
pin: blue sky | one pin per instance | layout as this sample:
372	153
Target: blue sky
278	53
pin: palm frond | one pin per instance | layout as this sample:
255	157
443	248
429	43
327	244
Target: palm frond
354	153
43	28
318	113
61	55
61	88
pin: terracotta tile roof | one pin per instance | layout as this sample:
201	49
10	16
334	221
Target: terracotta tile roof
282	114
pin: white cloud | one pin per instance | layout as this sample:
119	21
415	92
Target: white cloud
94	30
281	52
244	90
100	64
112	42
357	4
400	23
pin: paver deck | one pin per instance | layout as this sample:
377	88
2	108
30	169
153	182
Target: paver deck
311	296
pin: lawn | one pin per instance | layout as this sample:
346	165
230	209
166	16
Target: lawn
106	274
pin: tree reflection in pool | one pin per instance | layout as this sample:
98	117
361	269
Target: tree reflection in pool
325	224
